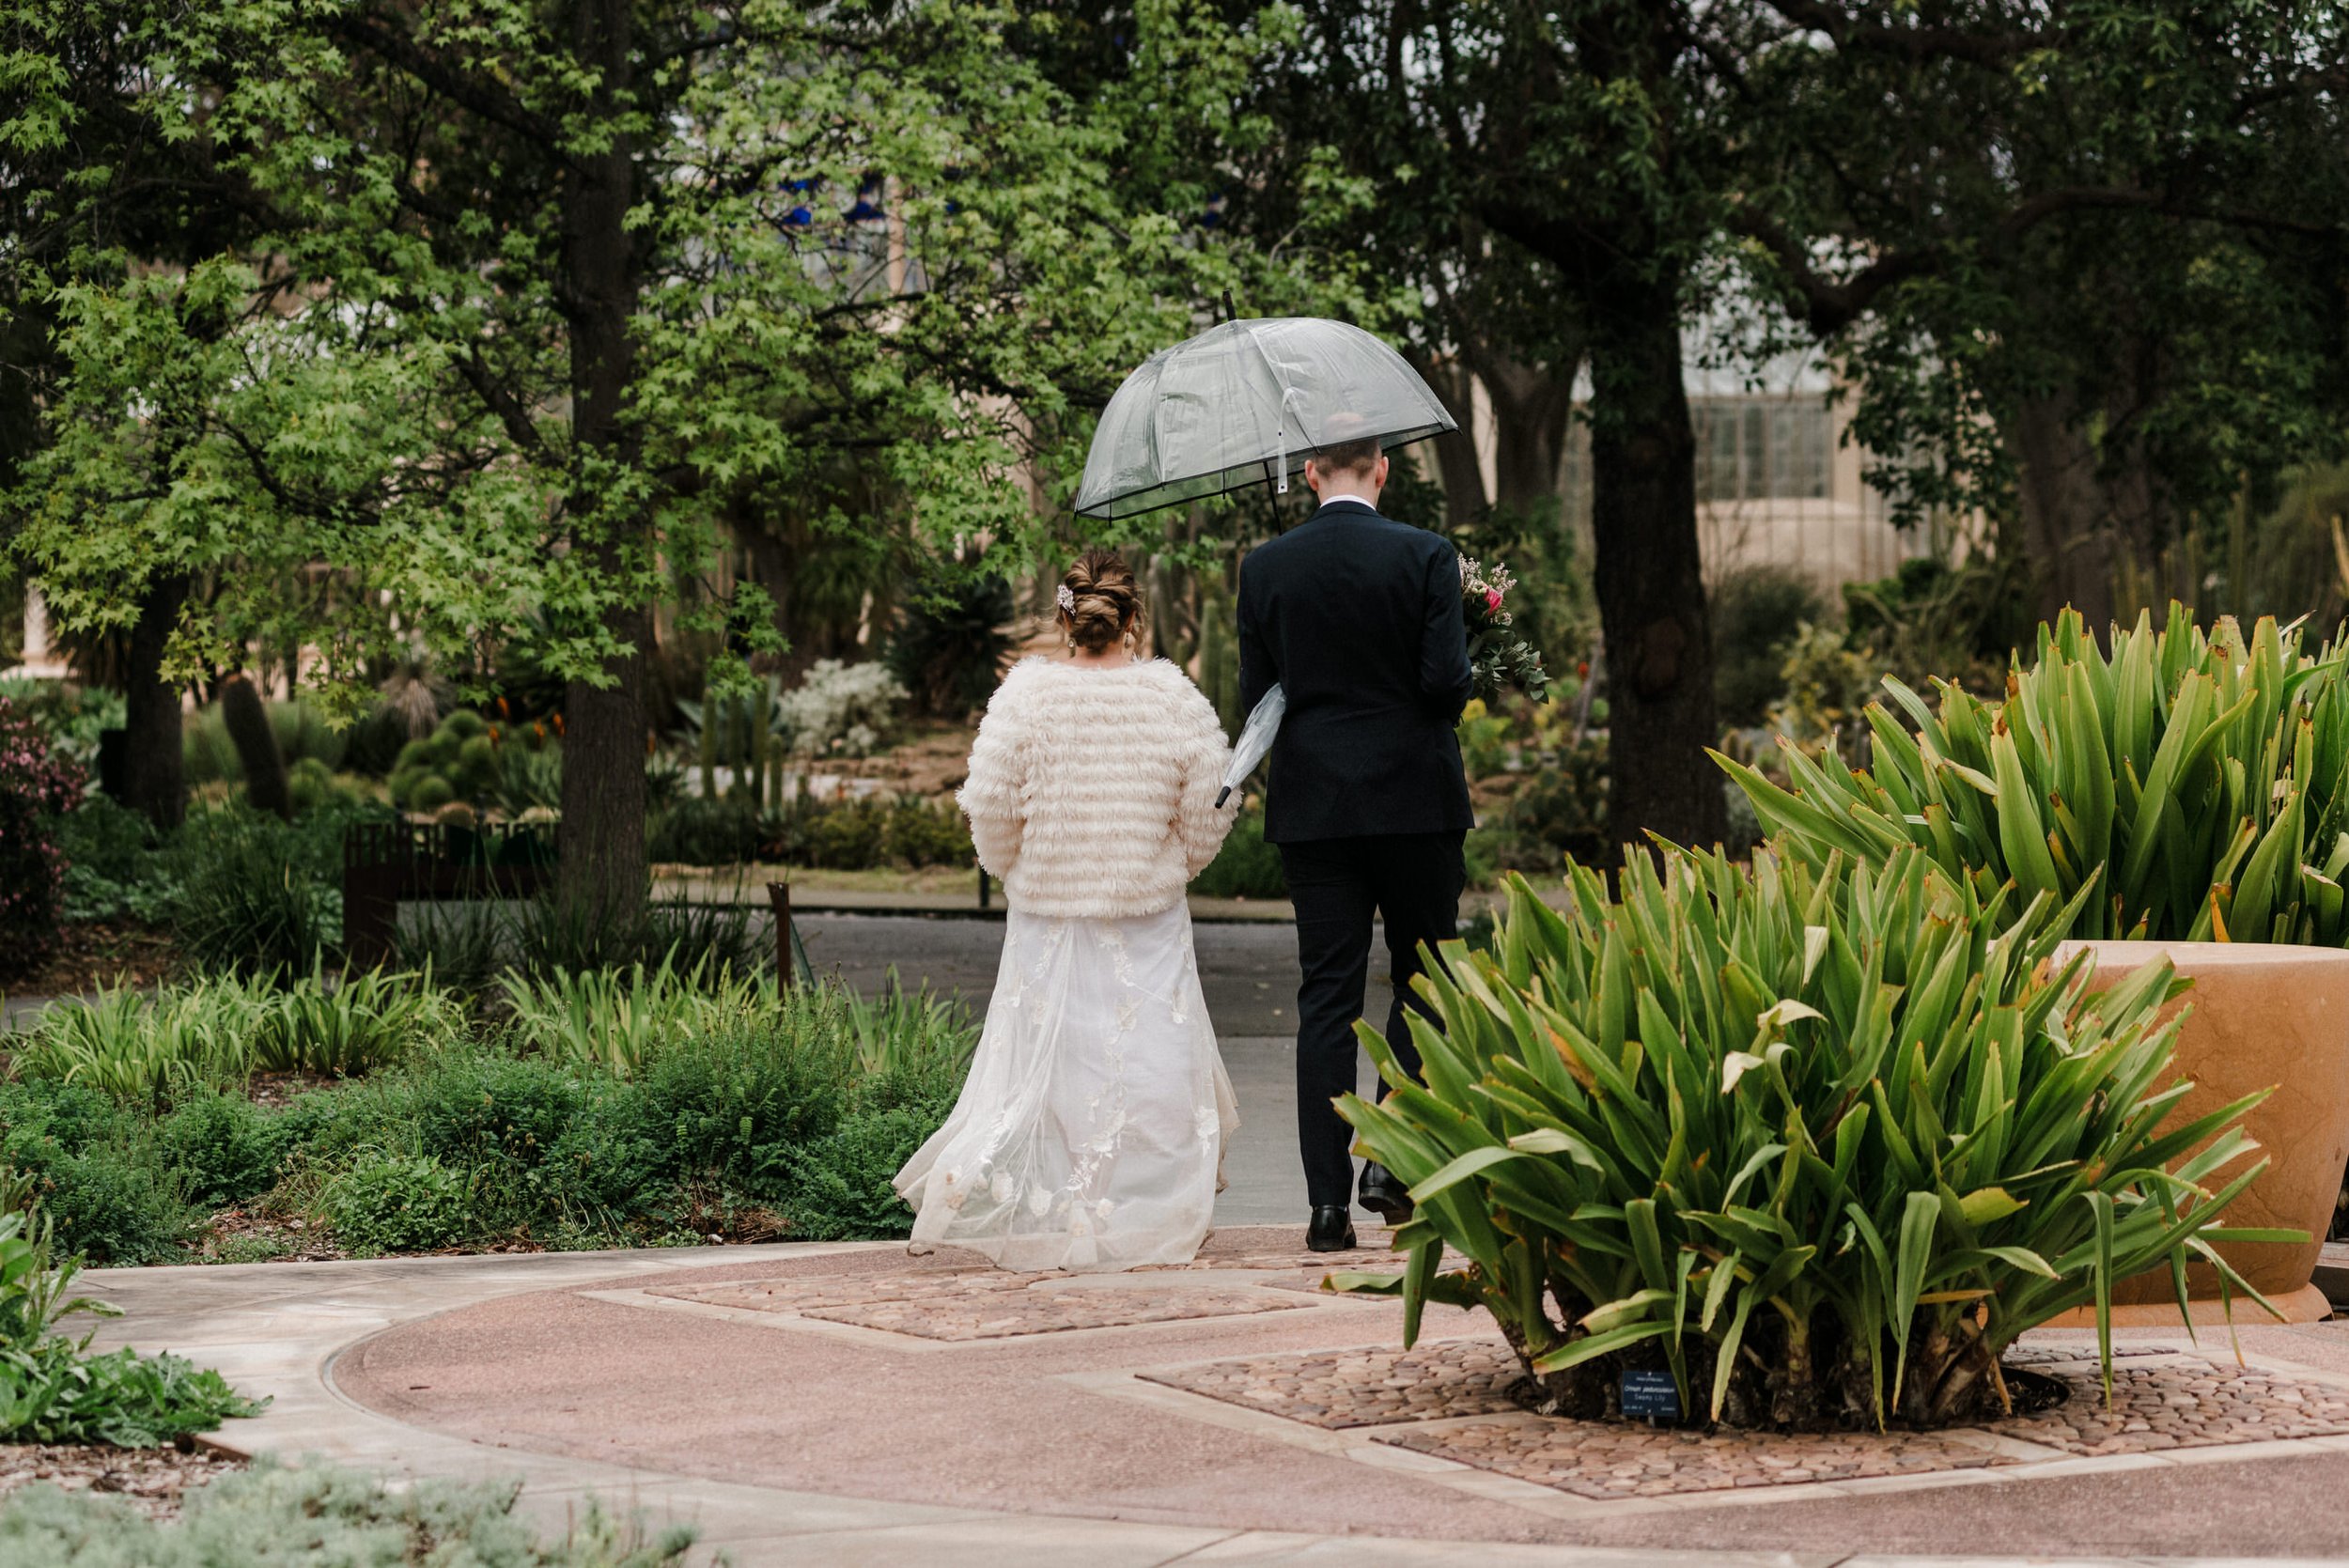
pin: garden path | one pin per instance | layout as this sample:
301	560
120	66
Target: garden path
851	1404
1247	969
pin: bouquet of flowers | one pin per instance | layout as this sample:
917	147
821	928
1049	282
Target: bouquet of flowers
1497	657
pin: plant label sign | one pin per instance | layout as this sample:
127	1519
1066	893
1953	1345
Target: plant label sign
1650	1394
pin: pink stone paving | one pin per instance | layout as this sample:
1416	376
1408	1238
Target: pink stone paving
945	1297
2161	1400
1606	1459
2180	1402
1006	1314
1348	1388
1046	1422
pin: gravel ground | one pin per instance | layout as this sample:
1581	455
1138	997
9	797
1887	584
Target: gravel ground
150	1479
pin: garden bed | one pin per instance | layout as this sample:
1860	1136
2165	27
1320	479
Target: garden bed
153	1480
247	1121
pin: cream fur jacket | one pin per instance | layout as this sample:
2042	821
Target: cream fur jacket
1091	791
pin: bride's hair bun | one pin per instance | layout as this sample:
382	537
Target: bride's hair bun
1099	601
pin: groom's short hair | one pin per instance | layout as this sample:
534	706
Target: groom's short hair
1356	455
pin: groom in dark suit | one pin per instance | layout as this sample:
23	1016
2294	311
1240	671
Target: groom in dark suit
1358	619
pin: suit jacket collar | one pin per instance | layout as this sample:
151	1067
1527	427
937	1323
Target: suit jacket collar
1342	505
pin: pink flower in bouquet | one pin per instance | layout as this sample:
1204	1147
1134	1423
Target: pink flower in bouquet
1492	599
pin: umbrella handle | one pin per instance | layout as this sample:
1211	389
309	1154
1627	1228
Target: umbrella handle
1222	795
1280	434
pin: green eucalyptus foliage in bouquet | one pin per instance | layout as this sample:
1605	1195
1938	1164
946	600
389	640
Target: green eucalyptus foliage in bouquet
2203	777
1819	1140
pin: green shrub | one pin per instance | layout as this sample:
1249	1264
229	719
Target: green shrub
543	936
917	833
840	1184
143	1050
698	830
395	1203
49	1391
222	1028
350	1025
107	1186
1560	813
314	1515
952	644
114	865
909	1046
370	745
2198	783
36	788
479	1107
1820	1145
255	893
1754	611
1246	866
839	835
726	1089
225	1148
57	1392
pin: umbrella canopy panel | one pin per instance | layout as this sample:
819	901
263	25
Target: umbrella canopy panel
1247	403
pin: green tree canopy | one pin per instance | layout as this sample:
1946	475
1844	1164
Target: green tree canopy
532	295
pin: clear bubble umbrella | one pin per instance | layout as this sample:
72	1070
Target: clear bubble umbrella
1246	403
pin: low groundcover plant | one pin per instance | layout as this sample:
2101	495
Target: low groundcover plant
52	1389
1819	1142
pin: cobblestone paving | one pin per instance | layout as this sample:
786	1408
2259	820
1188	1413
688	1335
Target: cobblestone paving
2162	1399
1342	1388
2180	1402
1003	1315
1599	1459
954	1298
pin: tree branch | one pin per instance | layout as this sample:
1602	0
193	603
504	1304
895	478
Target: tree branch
1918	43
491	104
1831	304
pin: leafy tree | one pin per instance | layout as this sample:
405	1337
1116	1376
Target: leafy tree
2040	237
87	183
2086	267
538	292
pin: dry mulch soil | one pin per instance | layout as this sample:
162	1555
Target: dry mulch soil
239	1235
89	954
150	1479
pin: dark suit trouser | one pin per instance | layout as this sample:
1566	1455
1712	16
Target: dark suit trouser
1413	880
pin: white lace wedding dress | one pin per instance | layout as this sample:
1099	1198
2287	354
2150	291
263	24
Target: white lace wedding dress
1090	1133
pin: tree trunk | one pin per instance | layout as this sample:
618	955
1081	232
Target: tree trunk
1532	412
153	783
1649	575
602	835
2066	534
1457	466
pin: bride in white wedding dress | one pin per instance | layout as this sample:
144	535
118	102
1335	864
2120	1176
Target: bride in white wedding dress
1090	1133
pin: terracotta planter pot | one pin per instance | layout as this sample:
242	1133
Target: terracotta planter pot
2260	1016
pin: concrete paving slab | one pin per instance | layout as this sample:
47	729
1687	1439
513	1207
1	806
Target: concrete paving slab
1014	1454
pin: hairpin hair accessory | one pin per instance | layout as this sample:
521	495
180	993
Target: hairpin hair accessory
1067	600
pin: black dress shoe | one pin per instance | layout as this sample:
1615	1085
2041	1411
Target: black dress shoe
1331	1230
1383	1195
